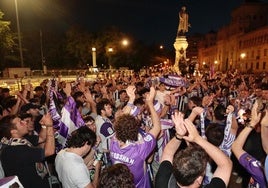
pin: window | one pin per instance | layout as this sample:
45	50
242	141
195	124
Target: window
264	65
257	65
265	52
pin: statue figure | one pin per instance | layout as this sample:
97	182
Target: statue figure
183	24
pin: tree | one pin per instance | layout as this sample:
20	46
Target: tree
78	45
6	41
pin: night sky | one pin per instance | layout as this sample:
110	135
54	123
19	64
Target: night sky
152	21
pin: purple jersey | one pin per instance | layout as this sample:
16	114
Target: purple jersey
254	167
134	155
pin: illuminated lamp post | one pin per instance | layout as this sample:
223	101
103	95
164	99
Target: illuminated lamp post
19	36
94	58
125	42
216	65
242	56
110	51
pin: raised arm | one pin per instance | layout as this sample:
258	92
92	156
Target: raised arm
50	140
155	118
264	131
224	164
238	144
195	112
90	101
131	94
175	142
68	89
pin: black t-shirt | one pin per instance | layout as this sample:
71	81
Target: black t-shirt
21	160
165	179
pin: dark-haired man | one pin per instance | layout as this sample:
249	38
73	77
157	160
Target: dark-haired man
186	168
19	156
103	123
69	162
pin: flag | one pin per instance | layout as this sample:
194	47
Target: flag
67	121
173	81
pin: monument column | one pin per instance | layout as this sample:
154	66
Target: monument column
181	43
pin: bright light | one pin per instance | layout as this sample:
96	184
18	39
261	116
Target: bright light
110	49
243	55
216	62
93	49
125	42
161	47
204	63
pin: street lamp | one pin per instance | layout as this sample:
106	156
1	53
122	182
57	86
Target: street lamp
94	59
19	36
216	63
242	56
110	50
125	42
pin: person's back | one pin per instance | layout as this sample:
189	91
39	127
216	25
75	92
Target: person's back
130	147
134	156
69	163
21	160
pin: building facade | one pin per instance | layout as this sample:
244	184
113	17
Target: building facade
242	44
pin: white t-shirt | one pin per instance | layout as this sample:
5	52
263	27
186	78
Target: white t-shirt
72	171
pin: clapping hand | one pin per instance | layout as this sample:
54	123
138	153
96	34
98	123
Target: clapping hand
264	121
193	134
255	115
131	92
150	96
177	118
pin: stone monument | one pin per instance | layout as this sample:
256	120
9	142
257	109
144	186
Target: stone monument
181	43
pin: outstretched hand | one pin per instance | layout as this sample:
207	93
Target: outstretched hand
67	89
255	115
197	110
193	134
131	92
150	96
264	121
46	120
207	100
177	118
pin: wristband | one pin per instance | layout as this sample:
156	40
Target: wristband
176	136
250	126
130	104
45	126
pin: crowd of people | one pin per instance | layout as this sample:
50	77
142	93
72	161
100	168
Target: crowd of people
159	129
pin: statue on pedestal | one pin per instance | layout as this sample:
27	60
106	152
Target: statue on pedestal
183	23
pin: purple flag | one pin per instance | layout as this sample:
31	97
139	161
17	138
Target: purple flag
173	81
69	120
